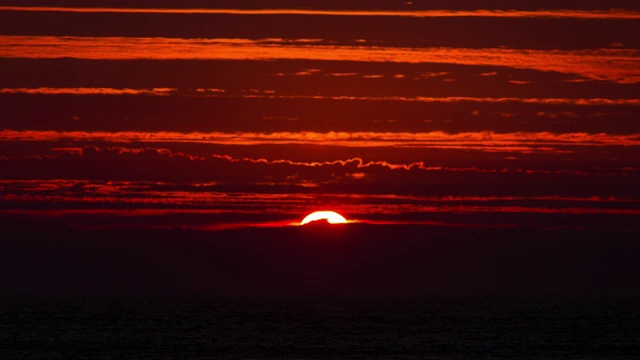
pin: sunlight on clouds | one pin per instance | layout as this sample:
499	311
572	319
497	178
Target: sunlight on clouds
618	14
615	65
489	139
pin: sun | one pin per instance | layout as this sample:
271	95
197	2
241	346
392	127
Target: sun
331	217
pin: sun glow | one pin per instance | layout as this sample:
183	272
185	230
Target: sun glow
331	217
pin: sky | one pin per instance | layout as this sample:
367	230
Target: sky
416	120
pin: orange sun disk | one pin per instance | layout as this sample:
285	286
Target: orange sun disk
331	217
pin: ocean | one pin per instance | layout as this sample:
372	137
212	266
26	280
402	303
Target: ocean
205	327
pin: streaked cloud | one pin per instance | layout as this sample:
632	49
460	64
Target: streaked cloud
617	14
454	99
272	94
615	65
360	164
487	140
92	91
204	193
190	205
374	176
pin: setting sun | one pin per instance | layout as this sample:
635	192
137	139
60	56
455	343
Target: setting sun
331	217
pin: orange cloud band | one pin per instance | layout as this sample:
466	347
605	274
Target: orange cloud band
88	91
398	210
615	65
158	192
214	92
354	139
578	14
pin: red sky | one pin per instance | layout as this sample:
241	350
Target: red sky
216	115
383	101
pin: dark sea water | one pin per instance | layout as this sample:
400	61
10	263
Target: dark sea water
211	328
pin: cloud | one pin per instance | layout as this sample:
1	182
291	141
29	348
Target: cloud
480	140
614	65
617	14
456	99
208	206
375	176
271	94
95	91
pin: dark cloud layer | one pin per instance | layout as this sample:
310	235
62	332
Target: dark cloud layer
350	175
230	114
